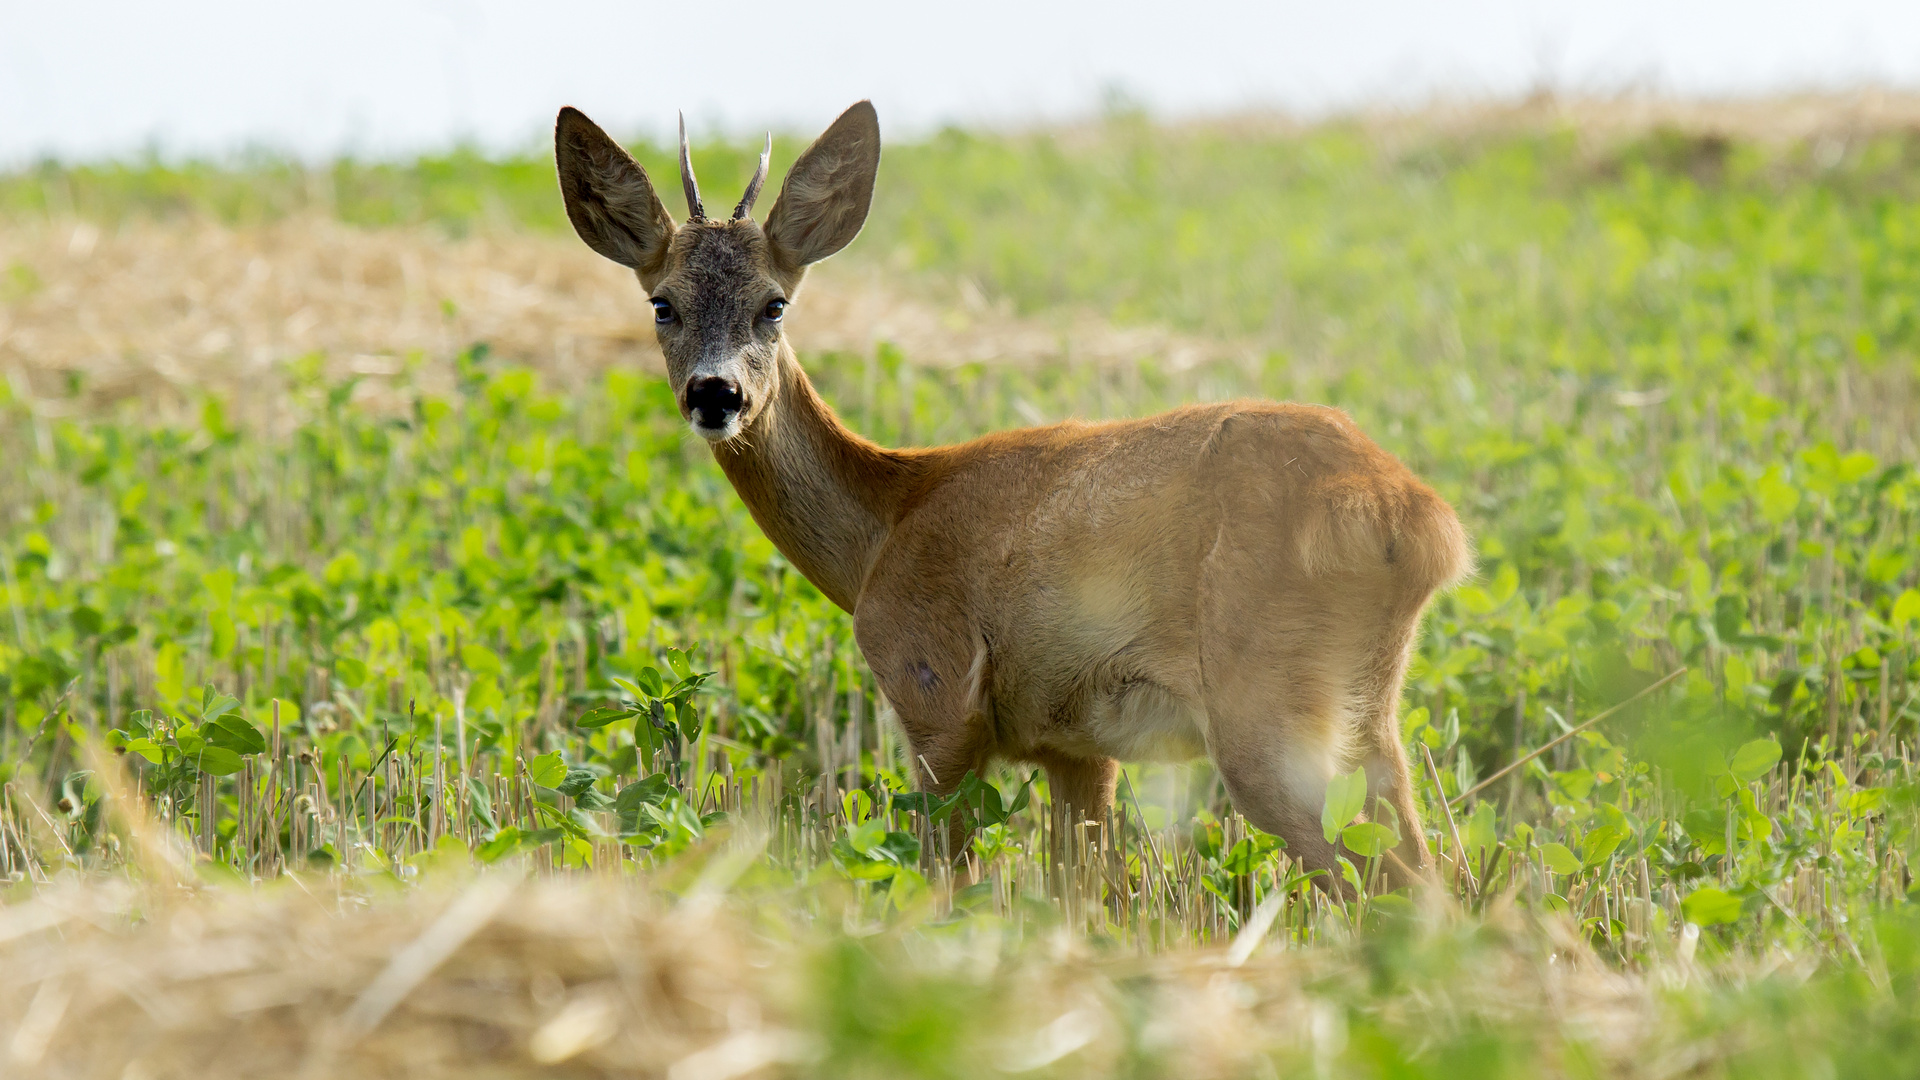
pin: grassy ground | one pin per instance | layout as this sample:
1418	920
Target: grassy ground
1669	382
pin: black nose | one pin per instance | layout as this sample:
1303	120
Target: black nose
713	401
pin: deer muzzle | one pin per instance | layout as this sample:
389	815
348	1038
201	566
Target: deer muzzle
713	405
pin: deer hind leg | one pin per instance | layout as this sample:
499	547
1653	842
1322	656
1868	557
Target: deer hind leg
1274	733
1375	691
1300	684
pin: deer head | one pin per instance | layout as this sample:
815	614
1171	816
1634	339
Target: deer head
719	288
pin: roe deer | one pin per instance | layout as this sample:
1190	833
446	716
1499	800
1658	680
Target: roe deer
1242	580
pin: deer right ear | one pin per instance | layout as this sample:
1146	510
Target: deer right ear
825	198
609	199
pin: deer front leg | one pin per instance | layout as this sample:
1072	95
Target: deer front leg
937	675
1082	791
940	754
937	705
1082	788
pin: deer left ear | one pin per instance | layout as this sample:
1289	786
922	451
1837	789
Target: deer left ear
610	200
827	193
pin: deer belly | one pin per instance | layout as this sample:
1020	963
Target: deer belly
1139	720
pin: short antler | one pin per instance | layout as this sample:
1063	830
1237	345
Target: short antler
695	211
754	185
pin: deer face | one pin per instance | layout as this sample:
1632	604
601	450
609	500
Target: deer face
717	312
719	288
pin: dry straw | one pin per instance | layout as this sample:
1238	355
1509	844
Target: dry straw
696	971
496	975
693	970
156	311
501	978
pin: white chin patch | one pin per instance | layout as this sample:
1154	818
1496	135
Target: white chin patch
719	434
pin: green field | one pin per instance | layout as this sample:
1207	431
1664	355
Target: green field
1672	385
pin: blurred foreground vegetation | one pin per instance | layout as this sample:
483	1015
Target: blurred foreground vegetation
1670	384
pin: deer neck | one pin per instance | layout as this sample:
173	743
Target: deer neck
826	497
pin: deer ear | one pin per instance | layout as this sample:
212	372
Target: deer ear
609	199
825	197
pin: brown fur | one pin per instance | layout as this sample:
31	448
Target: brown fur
1242	580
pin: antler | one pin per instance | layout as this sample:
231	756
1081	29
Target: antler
695	211
754	185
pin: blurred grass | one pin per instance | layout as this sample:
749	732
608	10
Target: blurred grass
1232	228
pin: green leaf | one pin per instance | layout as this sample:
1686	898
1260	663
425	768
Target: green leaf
86	621
1252	852
1480	831
676	815
919	802
1856	467
1346	797
603	715
974	896
865	838
1710	907
904	849
146	748
1559	859
677	662
654	789
1026	790
222	634
1906	609
1866	801
1778	499
1347	871
682	692
689	719
1602	842
1369	839
575	781
234	733
1753	823
584	825
1755	759
650	683
564	819
214	705
1505	583
547	770
648	739
350	671
514	839
991	811
480	660
1393	906
1729	616
216	760
480	804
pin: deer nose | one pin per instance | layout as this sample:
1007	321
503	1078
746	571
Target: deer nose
712	401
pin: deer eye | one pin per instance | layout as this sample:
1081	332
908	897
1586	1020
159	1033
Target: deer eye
662	311
775	308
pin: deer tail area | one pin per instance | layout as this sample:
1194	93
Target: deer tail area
1366	521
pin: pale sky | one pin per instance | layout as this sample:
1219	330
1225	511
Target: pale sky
92	79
